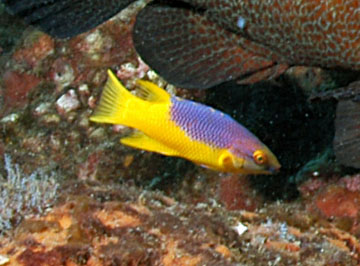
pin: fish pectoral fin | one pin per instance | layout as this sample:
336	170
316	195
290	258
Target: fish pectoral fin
226	160
141	141
229	162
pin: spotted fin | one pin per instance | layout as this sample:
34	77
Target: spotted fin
141	141
189	50
65	18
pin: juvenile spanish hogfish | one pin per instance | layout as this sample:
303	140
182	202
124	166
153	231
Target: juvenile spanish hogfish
201	43
177	127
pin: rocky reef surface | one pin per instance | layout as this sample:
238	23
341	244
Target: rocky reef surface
95	224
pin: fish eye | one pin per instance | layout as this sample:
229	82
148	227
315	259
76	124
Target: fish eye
259	157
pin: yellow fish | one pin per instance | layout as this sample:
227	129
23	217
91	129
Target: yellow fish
176	127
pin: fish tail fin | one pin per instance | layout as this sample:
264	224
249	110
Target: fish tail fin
117	105
65	18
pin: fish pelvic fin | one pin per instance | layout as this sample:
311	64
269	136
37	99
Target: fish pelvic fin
141	141
116	103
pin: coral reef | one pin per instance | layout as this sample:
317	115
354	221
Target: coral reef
120	206
122	225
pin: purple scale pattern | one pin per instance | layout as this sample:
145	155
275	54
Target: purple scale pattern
205	124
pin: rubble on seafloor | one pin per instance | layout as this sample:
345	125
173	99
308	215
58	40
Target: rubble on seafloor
120	206
95	224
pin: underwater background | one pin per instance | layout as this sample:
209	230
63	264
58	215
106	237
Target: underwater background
71	194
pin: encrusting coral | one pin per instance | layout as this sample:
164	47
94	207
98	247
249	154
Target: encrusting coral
122	225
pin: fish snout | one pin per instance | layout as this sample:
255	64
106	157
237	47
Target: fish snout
274	169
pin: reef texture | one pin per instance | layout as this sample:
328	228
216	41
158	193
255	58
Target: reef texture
107	212
121	225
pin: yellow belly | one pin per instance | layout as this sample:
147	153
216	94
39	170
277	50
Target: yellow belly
165	137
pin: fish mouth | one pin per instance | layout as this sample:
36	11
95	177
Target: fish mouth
274	169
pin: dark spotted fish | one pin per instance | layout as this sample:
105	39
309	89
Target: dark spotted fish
201	43
248	40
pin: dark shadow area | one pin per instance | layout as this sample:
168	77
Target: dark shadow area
296	130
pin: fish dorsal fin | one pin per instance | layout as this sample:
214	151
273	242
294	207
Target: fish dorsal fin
150	92
141	141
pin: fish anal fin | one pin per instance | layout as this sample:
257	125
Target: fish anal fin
141	141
